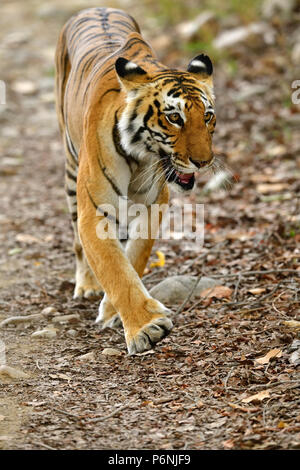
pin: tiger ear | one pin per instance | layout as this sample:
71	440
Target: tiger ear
130	73
201	66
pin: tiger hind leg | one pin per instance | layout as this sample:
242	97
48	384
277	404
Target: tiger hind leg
86	285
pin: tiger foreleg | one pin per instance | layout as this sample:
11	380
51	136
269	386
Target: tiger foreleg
144	318
138	252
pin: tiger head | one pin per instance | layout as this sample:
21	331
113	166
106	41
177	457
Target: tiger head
169	114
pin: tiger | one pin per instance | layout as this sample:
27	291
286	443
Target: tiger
132	128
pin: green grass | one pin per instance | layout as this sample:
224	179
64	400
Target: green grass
171	13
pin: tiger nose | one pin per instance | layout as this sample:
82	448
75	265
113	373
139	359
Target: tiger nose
201	163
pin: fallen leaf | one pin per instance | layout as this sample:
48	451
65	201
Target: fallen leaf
219	292
64	376
45	333
257	290
257	397
15	251
281	425
199	404
240	235
87	357
292	323
243	408
160	262
271	354
111	352
13	373
229	444
271	187
26	238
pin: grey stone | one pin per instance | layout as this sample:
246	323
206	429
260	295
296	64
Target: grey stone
175	289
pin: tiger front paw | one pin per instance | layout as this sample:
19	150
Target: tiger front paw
155	328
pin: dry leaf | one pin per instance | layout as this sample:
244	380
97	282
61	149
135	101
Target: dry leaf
13	373
219	292
229	444
257	397
257	290
292	323
240	235
281	425
266	359
26	238
271	188
243	408
160	262
111	352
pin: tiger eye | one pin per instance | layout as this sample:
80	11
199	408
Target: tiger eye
207	117
174	117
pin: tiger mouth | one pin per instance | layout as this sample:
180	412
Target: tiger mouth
185	180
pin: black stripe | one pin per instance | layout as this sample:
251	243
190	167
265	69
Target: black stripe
112	183
78	29
71	192
148	115
118	146
71	176
105	214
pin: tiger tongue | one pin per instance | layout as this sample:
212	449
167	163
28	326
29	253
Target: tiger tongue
184	177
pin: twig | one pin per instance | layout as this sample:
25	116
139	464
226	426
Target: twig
237	285
256	301
161	386
228	377
66	413
181	307
110	415
275	384
252	273
45	445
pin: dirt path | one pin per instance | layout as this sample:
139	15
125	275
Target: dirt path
197	389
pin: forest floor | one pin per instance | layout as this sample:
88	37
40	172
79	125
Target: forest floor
227	377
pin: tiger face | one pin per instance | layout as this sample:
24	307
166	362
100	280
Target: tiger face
169	115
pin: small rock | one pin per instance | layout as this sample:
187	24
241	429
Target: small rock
277	7
87	357
49	311
239	35
72	333
74	317
111	352
13	373
188	29
296	54
25	87
295	356
21	319
45	333
175	289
